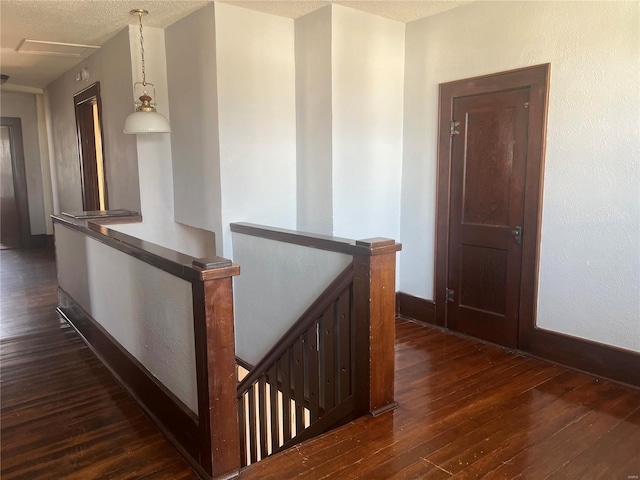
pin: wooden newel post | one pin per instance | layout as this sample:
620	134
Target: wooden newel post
374	276
216	369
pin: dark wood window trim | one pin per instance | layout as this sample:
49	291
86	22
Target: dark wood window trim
90	94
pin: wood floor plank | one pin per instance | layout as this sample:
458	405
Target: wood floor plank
617	446
466	406
547	456
519	432
467	410
447	437
63	415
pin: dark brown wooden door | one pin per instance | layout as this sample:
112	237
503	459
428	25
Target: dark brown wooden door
488	165
10	227
15	230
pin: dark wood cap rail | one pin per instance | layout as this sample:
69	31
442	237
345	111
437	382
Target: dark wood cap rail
184	266
112	216
370	246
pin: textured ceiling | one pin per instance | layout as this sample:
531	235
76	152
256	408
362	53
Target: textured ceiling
403	11
93	22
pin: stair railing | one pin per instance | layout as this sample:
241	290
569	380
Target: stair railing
335	363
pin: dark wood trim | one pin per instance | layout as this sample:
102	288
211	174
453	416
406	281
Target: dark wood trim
537	79
592	357
311	240
211	440
115	216
19	176
216	374
332	419
159	403
347	246
170	261
244	364
374	300
89	194
416	308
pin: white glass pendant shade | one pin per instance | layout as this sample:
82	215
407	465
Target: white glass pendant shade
145	119
146	122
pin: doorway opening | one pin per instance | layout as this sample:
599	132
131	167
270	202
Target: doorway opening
490	165
15	230
88	108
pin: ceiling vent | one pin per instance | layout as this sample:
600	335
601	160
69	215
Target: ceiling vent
56	49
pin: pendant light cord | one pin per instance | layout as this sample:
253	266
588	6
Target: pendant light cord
144	78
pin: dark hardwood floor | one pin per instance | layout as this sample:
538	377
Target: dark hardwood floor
467	410
63	414
471	410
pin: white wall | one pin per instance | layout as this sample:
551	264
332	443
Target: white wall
146	310
367	58
155	162
23	106
191	75
314	124
111	66
257	118
45	164
590	262
277	284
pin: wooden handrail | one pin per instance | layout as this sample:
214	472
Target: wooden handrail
178	264
336	362
296	237
210	442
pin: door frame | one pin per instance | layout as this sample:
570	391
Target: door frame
537	79
83	96
19	177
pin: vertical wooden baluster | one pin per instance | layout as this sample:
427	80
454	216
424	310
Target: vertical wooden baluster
298	383
242	428
312	373
285	368
253	447
275	411
262	416
329	370
344	341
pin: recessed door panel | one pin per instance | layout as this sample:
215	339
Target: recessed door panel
483	279
487	166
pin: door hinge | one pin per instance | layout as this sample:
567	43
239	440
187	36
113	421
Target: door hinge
449	295
455	128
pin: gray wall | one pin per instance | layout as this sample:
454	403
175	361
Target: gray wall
111	66
193	101
23	106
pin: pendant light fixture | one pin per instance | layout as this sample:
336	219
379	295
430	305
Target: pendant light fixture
145	119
